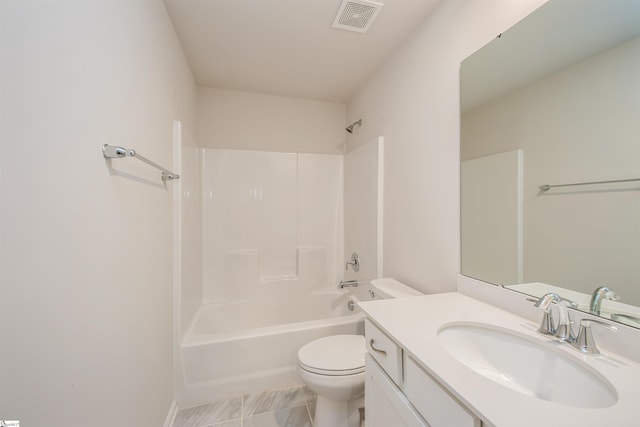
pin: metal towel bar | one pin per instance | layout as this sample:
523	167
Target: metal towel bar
115	152
547	187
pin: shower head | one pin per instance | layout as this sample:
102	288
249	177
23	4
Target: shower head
353	125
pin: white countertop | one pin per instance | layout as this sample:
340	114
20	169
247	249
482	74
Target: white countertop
414	323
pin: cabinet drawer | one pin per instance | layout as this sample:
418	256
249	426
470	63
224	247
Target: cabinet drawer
432	402
384	351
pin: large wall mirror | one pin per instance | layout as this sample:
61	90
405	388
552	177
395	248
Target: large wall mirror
550	156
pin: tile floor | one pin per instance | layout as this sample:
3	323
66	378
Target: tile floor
293	406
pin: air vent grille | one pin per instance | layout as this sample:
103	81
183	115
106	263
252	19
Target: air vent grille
356	15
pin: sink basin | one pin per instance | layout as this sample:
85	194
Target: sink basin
532	367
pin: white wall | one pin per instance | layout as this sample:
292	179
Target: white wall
413	101
86	291
577	125
251	121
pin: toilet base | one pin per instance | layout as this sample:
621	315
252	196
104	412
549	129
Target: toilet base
337	413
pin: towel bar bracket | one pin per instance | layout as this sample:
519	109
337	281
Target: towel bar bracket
116	152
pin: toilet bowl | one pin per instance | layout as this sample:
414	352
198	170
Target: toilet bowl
333	368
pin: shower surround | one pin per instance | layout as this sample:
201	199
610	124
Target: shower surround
271	249
268	218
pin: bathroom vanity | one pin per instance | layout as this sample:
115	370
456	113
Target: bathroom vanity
397	388
449	360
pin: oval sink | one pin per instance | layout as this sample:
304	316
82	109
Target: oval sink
531	367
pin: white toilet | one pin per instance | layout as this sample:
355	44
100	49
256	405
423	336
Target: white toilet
333	368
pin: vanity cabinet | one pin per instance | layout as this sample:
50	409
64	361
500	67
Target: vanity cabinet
398	392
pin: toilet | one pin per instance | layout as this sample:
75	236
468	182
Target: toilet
333	368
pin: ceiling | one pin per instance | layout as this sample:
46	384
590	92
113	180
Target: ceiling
288	47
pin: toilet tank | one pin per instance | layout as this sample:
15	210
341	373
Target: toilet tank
391	288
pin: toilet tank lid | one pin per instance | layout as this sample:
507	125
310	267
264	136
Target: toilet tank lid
334	353
391	288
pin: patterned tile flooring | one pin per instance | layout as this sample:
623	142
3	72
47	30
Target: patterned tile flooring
293	406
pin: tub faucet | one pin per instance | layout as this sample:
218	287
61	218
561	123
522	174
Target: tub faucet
563	328
600	294
348	284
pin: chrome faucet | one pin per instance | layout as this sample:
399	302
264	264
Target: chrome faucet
584	341
563	329
348	284
600	294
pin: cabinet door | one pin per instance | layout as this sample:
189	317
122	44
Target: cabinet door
432	401
385	405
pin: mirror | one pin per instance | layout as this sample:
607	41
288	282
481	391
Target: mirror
555	101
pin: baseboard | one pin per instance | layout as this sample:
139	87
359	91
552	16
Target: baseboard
171	416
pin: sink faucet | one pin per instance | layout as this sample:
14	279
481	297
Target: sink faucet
563	329
600	294
348	284
584	341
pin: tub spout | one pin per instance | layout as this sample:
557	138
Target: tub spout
347	284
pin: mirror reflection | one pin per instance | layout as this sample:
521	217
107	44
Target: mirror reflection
550	157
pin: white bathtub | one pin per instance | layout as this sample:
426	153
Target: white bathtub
249	346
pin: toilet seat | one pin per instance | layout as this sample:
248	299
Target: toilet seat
335	355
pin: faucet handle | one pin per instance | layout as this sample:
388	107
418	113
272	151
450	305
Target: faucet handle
354	262
546	326
584	342
562	329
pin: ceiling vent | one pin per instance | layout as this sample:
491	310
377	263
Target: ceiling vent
356	15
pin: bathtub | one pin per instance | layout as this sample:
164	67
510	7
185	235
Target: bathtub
244	347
